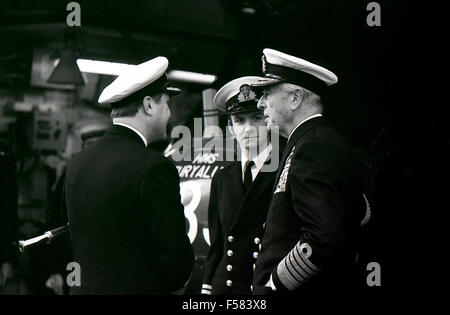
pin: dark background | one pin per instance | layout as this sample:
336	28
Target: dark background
386	102
216	37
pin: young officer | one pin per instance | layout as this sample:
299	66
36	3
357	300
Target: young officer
240	194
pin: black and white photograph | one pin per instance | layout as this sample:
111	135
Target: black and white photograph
219	155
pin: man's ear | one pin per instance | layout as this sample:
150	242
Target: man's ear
147	105
297	98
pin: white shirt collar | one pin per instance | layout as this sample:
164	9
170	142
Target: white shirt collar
132	128
310	117
259	160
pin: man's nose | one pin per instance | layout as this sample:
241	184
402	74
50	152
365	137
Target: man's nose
249	128
261	104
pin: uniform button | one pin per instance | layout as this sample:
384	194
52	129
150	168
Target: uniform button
229	283
229	267
257	240
255	255
229	253
254	267
251	288
260	246
230	239
264	225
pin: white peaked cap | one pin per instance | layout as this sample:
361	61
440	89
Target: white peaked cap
276	57
233	89
134	79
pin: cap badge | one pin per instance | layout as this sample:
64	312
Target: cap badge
246	94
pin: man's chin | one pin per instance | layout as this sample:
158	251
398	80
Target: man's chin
159	138
252	149
250	142
163	138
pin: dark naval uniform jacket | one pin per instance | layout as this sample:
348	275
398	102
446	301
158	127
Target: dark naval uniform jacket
235	219
126	219
311	233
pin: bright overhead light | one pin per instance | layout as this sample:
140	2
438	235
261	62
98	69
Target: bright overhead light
66	70
179	75
115	68
102	67
249	10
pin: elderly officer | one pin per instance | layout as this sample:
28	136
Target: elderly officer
240	193
311	233
124	207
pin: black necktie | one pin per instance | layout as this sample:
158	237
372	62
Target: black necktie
248	174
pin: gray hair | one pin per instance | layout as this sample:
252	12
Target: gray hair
309	98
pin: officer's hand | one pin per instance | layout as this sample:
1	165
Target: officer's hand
56	283
6	273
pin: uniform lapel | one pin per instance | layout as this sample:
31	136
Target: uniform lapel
233	189
298	133
305	127
262	180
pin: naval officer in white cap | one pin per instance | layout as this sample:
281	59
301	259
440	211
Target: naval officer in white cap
240	193
310	242
124	208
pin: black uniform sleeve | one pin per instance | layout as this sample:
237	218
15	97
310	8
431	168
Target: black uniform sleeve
215	236
59	251
314	181
163	213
